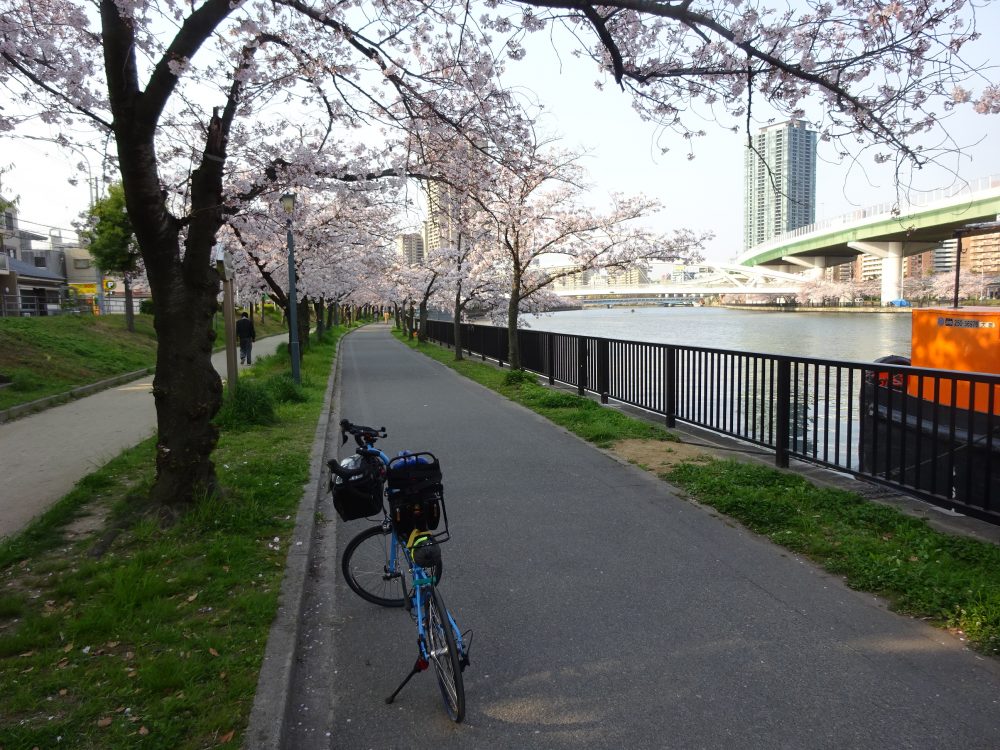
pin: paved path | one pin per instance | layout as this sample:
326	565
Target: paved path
607	612
43	455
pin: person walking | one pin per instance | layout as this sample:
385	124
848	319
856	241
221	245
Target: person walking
246	335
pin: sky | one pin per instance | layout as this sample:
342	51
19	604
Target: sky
702	194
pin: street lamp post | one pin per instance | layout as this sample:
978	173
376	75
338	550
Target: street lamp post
288	203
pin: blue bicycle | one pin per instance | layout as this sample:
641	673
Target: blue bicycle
397	563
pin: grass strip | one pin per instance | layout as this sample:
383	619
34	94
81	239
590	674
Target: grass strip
157	643
950	581
51	355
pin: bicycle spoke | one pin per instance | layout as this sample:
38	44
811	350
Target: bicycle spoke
371	571
444	655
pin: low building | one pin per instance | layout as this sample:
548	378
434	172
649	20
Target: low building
32	282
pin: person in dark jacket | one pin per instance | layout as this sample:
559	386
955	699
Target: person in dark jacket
246	335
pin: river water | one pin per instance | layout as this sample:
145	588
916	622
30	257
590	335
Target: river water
860	337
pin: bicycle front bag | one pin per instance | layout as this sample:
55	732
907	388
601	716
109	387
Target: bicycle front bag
359	496
415	493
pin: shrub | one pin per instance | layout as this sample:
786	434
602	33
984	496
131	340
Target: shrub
519	377
284	390
146	307
251	404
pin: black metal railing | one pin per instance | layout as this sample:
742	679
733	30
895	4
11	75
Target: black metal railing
931	433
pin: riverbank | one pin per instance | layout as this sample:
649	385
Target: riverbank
816	309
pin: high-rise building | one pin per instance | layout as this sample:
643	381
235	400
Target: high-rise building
411	246
440	226
984	253
779	181
944	256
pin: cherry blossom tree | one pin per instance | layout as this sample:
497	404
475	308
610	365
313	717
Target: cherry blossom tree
213	105
535	211
871	74
149	76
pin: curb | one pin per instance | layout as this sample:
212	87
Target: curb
269	715
84	390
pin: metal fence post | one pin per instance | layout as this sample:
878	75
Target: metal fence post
670	386
550	359
782	413
581	364
603	369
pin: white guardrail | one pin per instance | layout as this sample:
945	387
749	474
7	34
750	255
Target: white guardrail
881	211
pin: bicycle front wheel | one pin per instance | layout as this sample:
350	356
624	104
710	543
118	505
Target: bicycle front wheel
376	569
443	654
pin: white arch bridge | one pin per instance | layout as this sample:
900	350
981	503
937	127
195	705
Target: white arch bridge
712	281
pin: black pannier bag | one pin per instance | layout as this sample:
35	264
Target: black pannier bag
415	493
360	496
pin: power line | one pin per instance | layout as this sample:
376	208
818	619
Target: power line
46	227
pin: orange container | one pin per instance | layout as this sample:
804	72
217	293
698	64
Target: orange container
966	339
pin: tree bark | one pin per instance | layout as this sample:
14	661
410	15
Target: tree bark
129	311
422	331
320	320
458	323
186	388
513	307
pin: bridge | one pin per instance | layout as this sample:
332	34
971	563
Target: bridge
720	279
882	231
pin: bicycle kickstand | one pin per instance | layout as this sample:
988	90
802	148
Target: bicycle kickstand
419	666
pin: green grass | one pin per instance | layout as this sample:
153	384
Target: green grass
48	356
158	642
950	581
51	355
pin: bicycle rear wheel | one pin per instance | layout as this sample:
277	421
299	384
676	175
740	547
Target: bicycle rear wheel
376	568
443	653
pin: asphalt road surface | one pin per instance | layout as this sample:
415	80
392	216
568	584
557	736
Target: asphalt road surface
606	612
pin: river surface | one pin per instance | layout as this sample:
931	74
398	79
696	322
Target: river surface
859	337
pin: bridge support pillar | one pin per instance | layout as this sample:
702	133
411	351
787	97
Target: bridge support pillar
815	265
891	254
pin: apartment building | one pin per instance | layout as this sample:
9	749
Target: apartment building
779	181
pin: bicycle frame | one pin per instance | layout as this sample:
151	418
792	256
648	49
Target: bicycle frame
439	639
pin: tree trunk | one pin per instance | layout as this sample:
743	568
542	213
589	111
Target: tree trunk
422	332
129	311
397	316
320	321
458	323
513	306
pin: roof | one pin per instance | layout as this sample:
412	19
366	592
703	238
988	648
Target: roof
28	270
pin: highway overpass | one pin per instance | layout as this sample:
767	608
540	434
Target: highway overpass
882	231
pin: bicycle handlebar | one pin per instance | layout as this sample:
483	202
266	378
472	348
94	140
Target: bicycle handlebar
365	437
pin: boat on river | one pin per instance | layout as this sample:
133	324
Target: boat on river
931	422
